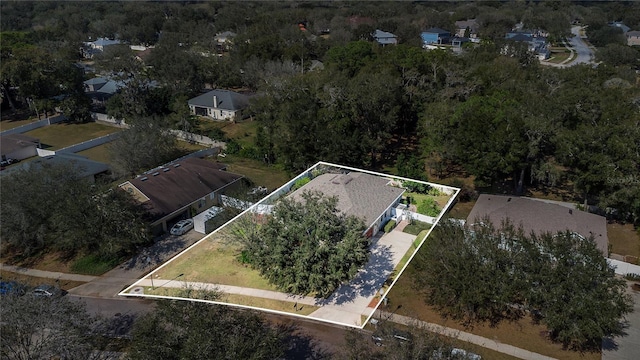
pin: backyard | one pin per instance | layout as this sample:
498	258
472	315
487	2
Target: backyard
61	135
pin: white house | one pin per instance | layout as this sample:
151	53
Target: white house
219	104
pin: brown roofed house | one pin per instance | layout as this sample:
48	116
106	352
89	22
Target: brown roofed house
538	216
182	189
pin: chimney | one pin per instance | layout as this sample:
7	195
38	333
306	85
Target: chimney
215	101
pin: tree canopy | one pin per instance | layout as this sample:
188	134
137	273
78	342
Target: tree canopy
51	208
490	274
305	246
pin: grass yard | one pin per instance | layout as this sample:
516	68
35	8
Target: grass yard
261	174
522	334
98	153
187	147
461	210
215	263
623	239
62	135
11	124
416	198
559	55
244	132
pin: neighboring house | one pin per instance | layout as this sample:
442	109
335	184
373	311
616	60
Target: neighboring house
384	38
356	20
369	197
219	104
538	216
18	147
92	48
467	28
100	89
86	168
224	40
536	43
620	25
181	190
633	38
435	36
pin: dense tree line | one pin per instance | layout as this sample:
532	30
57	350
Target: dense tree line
495	273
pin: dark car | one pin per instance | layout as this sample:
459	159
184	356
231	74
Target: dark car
11	287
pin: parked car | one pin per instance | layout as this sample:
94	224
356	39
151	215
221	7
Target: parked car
7	162
11	287
182	227
45	290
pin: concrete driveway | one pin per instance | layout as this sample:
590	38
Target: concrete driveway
351	301
628	346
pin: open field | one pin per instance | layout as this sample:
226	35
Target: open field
522	333
61	135
244	132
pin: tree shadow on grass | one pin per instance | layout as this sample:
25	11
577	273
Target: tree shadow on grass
303	346
157	253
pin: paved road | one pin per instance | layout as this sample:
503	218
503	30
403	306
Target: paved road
584	54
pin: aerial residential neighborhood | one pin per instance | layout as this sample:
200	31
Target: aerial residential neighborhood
320	180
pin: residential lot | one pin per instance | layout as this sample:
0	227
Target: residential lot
61	135
213	264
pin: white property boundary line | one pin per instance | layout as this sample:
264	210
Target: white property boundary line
454	193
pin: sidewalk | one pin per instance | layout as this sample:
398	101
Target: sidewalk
47	274
465	336
439	329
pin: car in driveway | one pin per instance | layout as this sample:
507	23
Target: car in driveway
380	337
47	291
182	227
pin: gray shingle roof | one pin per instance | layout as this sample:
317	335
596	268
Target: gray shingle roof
85	166
538	217
363	195
227	100
12	142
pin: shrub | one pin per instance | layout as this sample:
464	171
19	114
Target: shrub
93	265
429	207
300	183
389	226
416	187
217	134
233	147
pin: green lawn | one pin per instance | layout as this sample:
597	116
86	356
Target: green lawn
244	132
98	153
271	177
10	124
215	263
61	135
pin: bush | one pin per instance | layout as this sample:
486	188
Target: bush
233	147
300	183
416	187
429	207
217	134
389	226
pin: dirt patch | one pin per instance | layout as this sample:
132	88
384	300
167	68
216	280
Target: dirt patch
623	240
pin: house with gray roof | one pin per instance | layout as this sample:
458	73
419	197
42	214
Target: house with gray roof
384	38
633	37
219	104
18	147
467	28
368	197
538	216
85	167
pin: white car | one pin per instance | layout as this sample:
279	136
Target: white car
182	227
